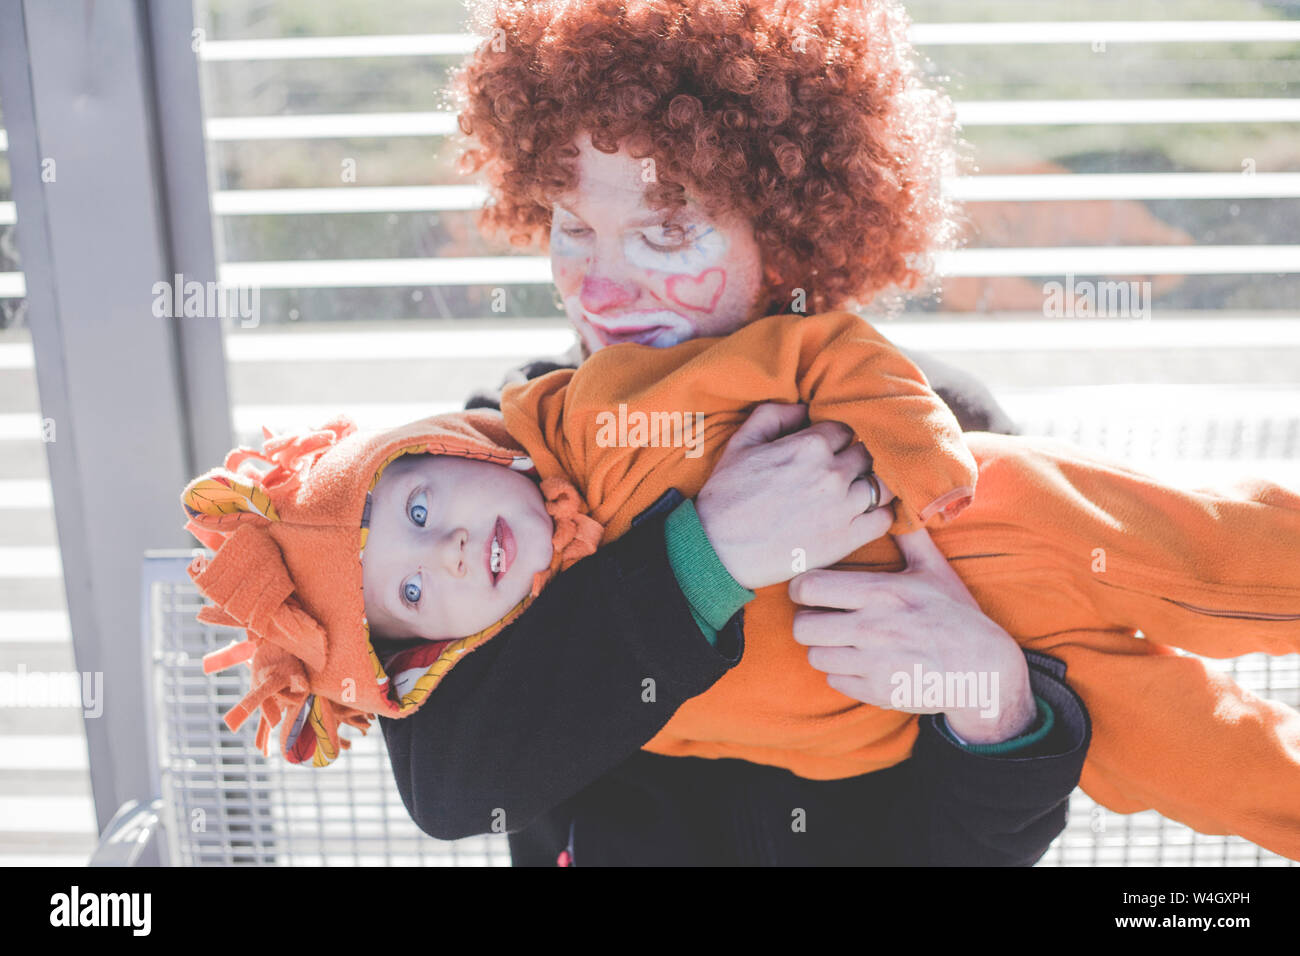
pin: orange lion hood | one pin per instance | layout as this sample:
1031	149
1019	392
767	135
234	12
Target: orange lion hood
287	569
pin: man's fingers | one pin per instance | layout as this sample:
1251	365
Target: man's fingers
882	593
859	688
767	423
919	550
847	661
836	434
843	590
868	526
853	460
824	629
832	436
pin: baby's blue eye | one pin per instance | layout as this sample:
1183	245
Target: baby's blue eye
411	591
419	510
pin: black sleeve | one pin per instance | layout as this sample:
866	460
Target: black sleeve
967	809
560	697
555	700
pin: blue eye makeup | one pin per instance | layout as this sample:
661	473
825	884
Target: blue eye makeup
668	237
676	240
686	248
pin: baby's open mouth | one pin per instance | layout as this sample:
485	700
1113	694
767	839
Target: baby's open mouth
500	550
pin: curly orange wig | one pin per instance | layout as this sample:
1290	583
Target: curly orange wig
808	117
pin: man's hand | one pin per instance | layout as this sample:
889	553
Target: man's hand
779	486
879	624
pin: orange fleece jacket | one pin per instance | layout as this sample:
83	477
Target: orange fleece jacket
1072	553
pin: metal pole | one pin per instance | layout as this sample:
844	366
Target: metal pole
110	185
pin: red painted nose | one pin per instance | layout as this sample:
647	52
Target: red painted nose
602	295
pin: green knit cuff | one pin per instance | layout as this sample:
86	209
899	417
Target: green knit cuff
710	590
1039	729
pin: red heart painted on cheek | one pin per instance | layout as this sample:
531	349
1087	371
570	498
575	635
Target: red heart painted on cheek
699	292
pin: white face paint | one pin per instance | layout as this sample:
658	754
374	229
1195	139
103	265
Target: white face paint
666	252
658	328
626	276
693	249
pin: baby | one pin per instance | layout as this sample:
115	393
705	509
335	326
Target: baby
449	528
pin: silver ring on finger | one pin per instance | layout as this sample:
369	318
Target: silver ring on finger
870	478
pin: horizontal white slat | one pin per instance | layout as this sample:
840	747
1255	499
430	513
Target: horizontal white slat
12	285
19	494
35	627
330	125
1122	260
1087	32
992	188
1162	401
357	273
14	355
970	113
367	415
1035	335
30	562
298	48
524	344
523	270
4	141
1104	112
20	426
923	34
241	202
1084	186
8	213
1127	111
33	752
47	814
